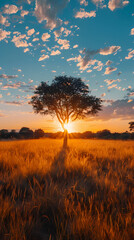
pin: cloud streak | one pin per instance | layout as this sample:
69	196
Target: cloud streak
109	70
8	76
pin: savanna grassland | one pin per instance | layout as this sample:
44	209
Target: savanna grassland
84	192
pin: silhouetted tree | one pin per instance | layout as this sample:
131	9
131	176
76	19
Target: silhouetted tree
105	134
39	133
26	133
14	134
4	133
68	98
125	135
131	127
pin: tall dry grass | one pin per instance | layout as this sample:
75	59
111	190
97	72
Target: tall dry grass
84	192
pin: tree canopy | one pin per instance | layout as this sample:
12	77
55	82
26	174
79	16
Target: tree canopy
131	126
67	97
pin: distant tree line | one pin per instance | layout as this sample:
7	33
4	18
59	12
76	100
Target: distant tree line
27	133
24	133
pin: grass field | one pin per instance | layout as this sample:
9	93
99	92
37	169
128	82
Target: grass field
84	192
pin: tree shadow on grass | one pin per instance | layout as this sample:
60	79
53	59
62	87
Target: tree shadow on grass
58	166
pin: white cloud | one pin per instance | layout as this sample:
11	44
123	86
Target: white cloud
113	4
103	94
30	32
58	32
83	2
132	31
26	50
17	40
45	36
110	70
130	55
10	9
65	43
89	70
66	32
75	46
47	10
57	52
85	62
4	34
43	57
2	19
109	50
83	14
35	39
24	12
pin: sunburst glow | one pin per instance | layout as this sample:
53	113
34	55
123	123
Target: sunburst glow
68	127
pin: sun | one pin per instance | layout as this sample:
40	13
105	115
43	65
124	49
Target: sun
68	127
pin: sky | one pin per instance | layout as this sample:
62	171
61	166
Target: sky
90	39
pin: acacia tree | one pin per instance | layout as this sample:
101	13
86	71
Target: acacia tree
68	98
131	127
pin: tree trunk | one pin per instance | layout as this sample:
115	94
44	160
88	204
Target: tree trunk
65	138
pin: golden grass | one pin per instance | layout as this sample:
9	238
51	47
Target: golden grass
84	192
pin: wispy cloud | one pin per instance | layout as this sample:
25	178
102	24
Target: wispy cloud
109	50
130	55
43	57
8	76
111	81
110	70
108	63
17	103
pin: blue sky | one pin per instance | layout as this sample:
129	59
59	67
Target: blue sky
91	39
